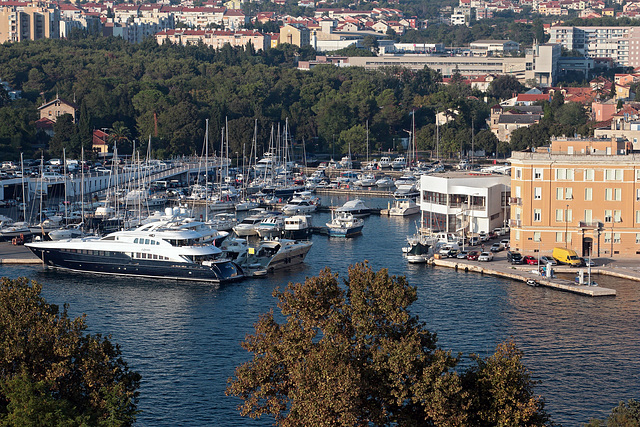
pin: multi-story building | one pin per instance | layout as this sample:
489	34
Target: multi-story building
582	194
295	34
622	44
463	202
24	21
215	38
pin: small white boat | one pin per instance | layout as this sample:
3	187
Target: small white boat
368	180
246	205
419	253
345	224
272	225
384	182
247	227
404	207
223	221
399	163
356	207
300	204
385	162
297	227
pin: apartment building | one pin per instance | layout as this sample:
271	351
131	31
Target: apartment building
581	194
24	21
622	44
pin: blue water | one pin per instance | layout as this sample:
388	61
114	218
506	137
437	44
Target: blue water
184	338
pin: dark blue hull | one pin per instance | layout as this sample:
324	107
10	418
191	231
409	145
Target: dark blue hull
121	264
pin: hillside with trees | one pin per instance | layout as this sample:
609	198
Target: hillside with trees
165	93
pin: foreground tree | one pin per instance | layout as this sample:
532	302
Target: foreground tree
352	354
626	414
51	372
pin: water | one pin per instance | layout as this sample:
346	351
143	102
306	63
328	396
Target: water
184	337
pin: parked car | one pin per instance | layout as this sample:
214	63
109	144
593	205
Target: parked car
531	260
498	231
586	262
483	236
452	253
462	255
485	256
497	247
515	257
547	260
506	243
473	241
473	255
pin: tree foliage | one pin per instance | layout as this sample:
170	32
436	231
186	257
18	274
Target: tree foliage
52	372
626	414
353	354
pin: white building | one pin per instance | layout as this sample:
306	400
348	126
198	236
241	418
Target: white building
459	202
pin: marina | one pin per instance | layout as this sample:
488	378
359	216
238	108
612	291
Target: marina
184	336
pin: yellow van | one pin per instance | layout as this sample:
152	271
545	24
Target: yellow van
566	256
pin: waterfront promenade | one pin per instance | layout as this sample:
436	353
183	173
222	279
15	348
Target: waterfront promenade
623	268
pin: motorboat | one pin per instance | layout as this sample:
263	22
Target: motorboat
344	224
384	182
399	163
385	162
247	227
246	205
66	233
148	251
419	253
356	207
10	228
268	255
271	225
275	254
366	180
404	207
301	204
297	227
223	221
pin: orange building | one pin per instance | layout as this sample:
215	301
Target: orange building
587	202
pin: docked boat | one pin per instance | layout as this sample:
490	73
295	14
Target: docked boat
271	225
404	207
385	162
247	227
268	255
223	221
345	224
153	252
297	227
419	253
355	207
399	163
10	229
366	180
384	182
301	204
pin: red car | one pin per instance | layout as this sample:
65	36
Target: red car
531	260
473	256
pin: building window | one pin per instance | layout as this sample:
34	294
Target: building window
558	236
537	193
608	215
637	237
559	215
519	193
607	237
564	174
608	194
537	174
617	216
537	215
613	175
616	237
587	216
637	170
517	234
589	174
617	194
559	193
588	194
536	236
568	193
638	217
569	215
518	173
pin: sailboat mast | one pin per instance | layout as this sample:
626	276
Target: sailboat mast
206	170
64	186
82	186
24	201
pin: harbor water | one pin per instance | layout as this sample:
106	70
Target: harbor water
184	338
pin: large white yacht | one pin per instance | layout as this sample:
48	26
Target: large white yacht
153	250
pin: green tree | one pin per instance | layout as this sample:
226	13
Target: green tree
65	135
351	353
626	414
370	42
504	87
52	372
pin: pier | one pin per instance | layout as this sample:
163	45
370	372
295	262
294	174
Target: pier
524	273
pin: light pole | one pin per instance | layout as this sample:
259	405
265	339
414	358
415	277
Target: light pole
566	227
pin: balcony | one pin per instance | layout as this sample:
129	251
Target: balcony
517	223
594	225
515	201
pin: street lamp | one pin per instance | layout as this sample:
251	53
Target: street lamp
566	226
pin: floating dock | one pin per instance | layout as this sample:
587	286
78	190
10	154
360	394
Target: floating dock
520	274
